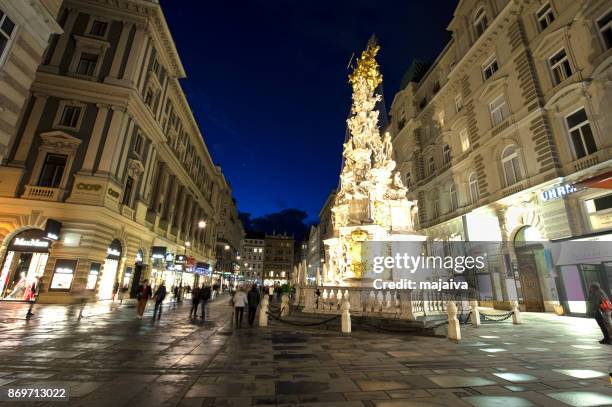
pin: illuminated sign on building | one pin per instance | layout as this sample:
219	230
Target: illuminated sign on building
31	242
558	192
158	252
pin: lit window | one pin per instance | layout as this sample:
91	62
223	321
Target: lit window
52	170
447	154
465	140
70	116
499	110
581	134
605	29
560	67
511	165
473	181
87	64
7	28
458	103
545	16
98	28
490	68
480	22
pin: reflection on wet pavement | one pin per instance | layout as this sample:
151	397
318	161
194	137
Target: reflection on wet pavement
108	357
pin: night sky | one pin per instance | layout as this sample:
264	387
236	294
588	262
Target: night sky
267	82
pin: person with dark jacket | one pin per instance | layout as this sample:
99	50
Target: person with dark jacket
253	299
195	301
144	293
160	295
597	297
205	296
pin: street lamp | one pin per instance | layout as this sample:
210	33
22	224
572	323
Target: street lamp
202	224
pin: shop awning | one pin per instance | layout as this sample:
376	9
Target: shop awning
602	181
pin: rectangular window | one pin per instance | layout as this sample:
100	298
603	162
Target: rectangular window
604	24
98	28
432	165
499	110
581	134
70	116
560	67
465	140
87	64
545	16
127	192
7	28
63	275
138	144
458	103
490	68
52	170
447	154
602	203
92	278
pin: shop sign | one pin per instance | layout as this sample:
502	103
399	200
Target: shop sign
169	257
52	229
21	242
202	268
139	256
158	252
180	259
558	192
191	261
114	250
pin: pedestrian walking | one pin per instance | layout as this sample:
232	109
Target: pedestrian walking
115	290
599	308
240	301
205	295
160	295
143	296
122	291
195	301
253	300
271	292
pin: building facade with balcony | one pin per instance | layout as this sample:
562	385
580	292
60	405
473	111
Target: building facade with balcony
504	137
108	147
25	30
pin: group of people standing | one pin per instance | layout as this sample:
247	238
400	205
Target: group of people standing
200	296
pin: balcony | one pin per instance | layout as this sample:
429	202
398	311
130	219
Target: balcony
42	193
514	188
586	162
127	212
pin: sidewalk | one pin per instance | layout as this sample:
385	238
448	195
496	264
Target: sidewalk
115	359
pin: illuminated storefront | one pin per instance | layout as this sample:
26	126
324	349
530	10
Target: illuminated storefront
109	270
24	263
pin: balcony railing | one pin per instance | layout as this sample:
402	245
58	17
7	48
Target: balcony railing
586	162
127	212
42	193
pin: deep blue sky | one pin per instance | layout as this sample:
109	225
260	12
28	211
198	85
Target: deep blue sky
267	82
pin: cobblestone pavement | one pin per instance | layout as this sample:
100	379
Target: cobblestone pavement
110	358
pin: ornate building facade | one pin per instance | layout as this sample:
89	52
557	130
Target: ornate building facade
25	30
230	238
505	137
108	180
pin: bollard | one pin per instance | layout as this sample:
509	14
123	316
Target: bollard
454	330
263	311
475	317
346	316
516	314
284	305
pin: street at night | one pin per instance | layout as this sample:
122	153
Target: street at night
318	204
109	357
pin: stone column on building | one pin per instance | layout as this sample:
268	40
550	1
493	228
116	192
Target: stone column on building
94	140
114	139
505	249
25	143
62	43
145	188
134	62
113	75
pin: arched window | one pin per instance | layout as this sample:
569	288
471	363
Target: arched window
473	181
480	22
511	165
454	201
